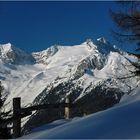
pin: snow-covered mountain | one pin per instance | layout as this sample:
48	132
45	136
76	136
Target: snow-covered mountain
89	73
12	55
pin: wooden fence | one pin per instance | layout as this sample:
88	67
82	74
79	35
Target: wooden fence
19	113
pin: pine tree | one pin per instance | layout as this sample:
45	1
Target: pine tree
1	89
127	22
4	131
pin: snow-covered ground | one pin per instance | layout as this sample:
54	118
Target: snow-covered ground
118	122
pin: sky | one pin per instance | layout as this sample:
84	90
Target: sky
35	26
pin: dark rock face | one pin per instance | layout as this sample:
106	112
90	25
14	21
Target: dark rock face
95	99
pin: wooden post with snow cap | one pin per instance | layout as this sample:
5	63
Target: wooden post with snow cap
67	108
16	114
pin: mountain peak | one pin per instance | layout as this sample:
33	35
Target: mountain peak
6	47
102	39
88	41
13	55
42	56
104	46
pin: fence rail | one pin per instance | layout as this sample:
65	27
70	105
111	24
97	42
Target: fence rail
19	113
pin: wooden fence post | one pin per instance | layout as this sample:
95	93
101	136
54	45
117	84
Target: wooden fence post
67	108
16	114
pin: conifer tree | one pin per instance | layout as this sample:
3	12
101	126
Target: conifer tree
127	22
4	131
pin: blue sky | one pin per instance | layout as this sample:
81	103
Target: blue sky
34	26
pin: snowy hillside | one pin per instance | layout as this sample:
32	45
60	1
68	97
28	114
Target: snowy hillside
87	72
119	122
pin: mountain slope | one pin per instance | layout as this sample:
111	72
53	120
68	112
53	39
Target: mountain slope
119	122
89	73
